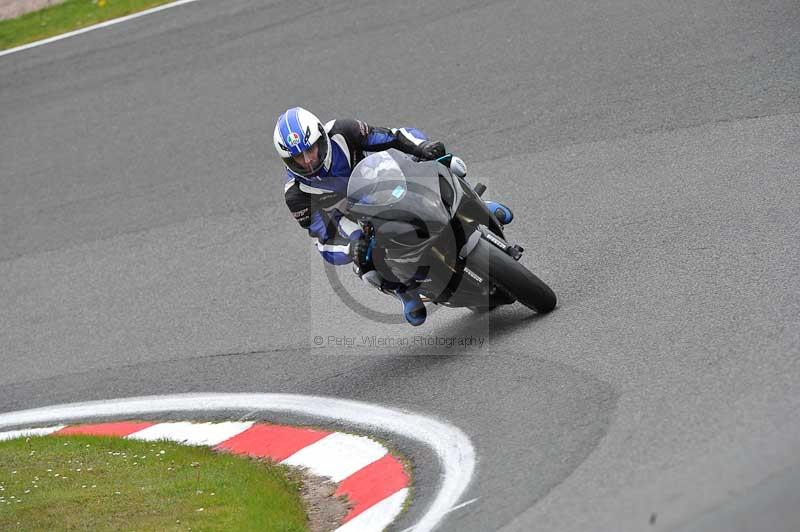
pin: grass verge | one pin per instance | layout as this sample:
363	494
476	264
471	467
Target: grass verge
103	483
68	16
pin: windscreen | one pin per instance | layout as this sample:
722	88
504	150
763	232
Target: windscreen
376	180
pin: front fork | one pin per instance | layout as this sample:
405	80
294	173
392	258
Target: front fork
513	250
458	168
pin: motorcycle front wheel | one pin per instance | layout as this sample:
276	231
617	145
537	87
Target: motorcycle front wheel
512	277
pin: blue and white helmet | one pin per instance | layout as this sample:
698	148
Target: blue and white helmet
301	141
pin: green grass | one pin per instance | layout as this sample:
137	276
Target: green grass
61	18
98	483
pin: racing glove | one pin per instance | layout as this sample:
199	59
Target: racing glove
358	254
429	149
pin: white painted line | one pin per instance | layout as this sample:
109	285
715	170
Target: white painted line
453	509
95	27
375	518
462	505
453	448
337	455
11	434
209	434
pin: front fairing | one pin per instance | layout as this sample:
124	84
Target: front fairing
423	217
400	198
389	186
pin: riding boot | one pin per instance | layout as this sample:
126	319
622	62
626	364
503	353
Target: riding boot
500	211
413	307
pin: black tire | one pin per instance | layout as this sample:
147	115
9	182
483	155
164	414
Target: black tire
512	277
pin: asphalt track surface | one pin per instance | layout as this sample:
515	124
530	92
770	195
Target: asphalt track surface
651	152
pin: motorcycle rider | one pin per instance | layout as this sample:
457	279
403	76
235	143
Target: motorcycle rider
319	159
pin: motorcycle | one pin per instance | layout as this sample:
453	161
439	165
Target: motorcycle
429	229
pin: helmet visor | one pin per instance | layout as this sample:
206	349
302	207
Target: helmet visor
310	161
